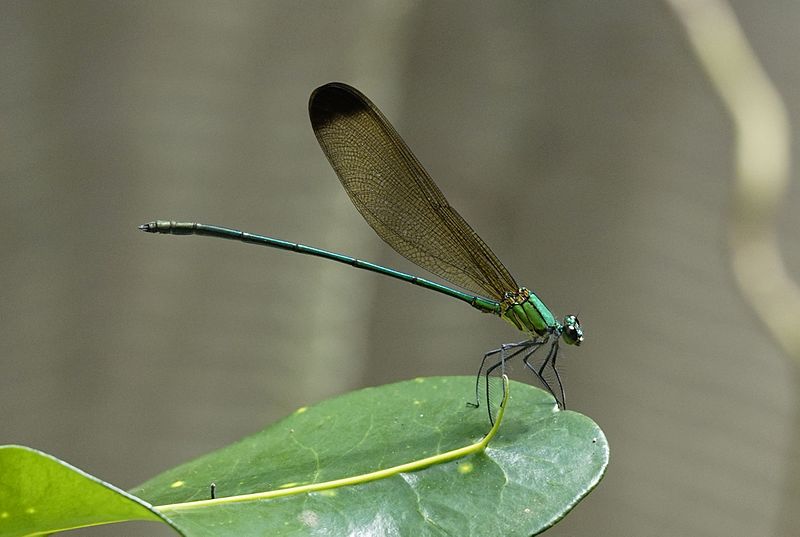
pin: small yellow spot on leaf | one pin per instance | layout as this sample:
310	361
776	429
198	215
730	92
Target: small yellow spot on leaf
419	380
288	485
301	410
30	510
417	402
4	514
328	493
177	484
465	468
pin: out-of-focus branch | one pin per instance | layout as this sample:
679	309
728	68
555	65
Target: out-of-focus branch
762	163
762	178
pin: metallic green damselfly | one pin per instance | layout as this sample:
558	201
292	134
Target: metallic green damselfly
400	201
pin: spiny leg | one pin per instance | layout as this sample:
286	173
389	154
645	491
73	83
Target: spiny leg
526	361
477	402
551	359
538	372
501	350
524	346
558	377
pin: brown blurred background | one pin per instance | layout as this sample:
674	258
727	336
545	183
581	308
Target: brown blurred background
579	138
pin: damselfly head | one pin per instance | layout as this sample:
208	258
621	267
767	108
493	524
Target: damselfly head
571	330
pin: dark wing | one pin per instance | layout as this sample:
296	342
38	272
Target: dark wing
396	196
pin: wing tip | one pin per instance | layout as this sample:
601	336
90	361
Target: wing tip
332	100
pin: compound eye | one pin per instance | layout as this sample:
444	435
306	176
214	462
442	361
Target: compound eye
573	335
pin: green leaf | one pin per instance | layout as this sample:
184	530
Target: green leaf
540	464
40	494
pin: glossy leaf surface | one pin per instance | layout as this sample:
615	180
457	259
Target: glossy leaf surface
40	494
540	464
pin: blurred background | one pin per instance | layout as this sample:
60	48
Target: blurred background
580	139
